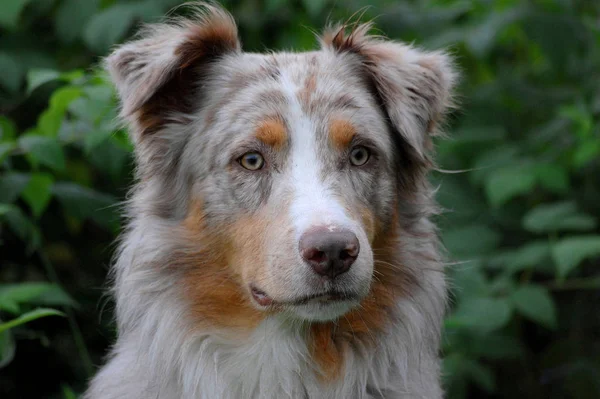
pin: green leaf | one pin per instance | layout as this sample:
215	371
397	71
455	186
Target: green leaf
38	192
68	392
556	217
471	240
482	37
12	296
38	77
23	228
314	7
11	11
95	138
108	27
5	150
7	348
535	303
12	185
45	150
482	314
72	17
8	130
51	119
12	72
553	177
529	256
494	346
482	376
586	152
507	183
568	253
28	317
82	202
5	208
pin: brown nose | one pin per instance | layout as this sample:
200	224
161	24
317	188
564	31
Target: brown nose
329	253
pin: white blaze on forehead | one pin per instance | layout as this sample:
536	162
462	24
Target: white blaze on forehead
313	203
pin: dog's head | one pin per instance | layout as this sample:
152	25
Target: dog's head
282	170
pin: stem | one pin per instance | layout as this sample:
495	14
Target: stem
84	354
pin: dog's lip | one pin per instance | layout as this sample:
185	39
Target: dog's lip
263	299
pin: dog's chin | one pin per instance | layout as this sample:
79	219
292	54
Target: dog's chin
321	311
321	307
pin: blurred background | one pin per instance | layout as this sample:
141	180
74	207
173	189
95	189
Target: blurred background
519	180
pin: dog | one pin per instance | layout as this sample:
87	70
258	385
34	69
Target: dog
279	239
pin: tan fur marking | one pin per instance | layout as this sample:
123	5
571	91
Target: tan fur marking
325	352
341	133
272	132
213	288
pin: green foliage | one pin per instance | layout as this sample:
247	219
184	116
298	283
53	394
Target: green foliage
521	223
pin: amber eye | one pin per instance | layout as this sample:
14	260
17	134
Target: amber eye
252	161
359	155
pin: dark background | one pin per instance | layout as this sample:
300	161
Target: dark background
520	183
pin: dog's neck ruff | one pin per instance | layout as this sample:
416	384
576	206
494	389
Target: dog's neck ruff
160	355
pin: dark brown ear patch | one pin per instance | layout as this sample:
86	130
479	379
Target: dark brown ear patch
413	86
212	37
158	75
205	40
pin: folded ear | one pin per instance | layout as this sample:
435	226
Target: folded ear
414	87
159	74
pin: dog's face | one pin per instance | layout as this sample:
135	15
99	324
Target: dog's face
286	165
298	157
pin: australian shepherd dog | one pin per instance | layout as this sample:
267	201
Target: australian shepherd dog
279	240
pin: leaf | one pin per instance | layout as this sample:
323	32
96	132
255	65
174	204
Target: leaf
7	348
556	217
568	253
529	256
8	130
11	185
482	376
507	183
95	138
481	38
12	296
28	317
12	72
38	77
553	177
494	346
482	314
108	27
535	303
586	152
68	392
51	119
45	150
72	16
38	192
82	202
474	239
11	11
5	150
23	228
314	7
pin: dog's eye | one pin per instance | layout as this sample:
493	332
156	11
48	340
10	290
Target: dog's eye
252	161
359	155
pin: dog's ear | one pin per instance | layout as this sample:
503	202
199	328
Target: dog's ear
414	87
158	76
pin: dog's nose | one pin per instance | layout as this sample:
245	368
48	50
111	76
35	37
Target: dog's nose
329	252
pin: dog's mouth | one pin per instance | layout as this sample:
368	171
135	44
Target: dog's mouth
331	296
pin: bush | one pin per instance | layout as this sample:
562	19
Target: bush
518	179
